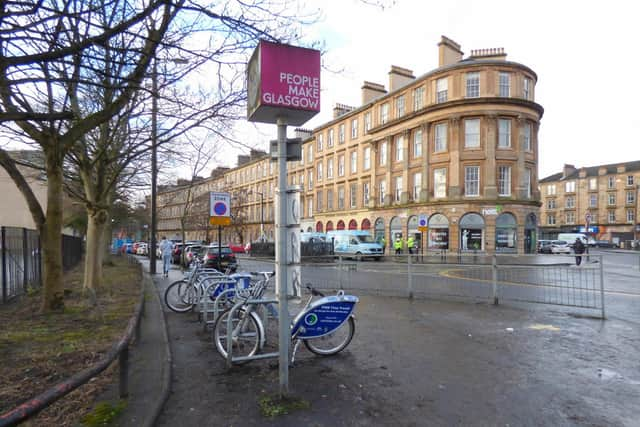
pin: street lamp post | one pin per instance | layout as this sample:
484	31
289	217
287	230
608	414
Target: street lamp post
154	159
154	165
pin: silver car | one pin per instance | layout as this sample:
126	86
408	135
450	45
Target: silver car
560	247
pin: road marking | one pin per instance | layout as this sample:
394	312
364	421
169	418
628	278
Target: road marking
541	327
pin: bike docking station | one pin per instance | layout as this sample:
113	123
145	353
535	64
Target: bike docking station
283	88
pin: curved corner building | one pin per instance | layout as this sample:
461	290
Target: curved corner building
456	148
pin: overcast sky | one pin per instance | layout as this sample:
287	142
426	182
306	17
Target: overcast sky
585	54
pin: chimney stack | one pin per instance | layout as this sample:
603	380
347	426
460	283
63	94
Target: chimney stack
448	52
567	170
303	133
399	77
341	109
371	91
497	53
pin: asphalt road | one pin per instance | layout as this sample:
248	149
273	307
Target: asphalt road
430	362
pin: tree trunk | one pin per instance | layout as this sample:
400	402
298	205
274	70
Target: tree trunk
51	232
96	220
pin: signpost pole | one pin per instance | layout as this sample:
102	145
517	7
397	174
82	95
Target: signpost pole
284	332
219	247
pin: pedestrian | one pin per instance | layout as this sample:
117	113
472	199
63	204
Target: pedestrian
383	243
397	245
166	248
410	244
578	249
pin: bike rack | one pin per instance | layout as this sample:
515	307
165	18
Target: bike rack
230	358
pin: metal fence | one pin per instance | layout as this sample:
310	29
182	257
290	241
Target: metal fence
22	259
545	279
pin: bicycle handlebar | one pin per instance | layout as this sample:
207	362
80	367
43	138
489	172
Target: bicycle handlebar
314	292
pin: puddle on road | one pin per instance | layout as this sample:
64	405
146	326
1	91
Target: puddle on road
541	327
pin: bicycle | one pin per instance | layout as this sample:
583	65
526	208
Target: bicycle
183	295
326	326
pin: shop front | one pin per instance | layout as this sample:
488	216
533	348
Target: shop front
472	232
506	232
438	231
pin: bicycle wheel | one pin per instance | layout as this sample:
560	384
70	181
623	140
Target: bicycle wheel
180	296
246	334
334	342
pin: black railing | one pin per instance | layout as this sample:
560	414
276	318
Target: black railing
307	249
21	258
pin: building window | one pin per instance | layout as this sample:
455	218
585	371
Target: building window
417	185
330	139
611	182
611	216
367	121
340	198
473	85
570	187
354	161
631	197
593	200
383	153
570	202
629	180
301	181
417	143
630	215
384	113
365	194
551	219
440	138
310	181
354	128
319	174
504	180
353	193
593	184
441	90
320	141
527	137
526	88
309	155
418	98
319	201
472	133
527	182
367	158
440	182
310	207
504	133
399	148
398	189
341	134
341	165
330	168
551	190
400	106
611	199
383	190
330	200
551	203
472	180
505	84
570	217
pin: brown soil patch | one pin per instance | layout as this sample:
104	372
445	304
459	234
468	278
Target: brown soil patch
39	350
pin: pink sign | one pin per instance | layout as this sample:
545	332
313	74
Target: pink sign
283	81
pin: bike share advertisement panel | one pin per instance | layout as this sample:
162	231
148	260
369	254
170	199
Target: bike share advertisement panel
323	316
241	280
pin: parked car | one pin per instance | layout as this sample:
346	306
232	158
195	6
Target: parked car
143	249
604	244
127	248
177	253
236	248
228	259
189	252
544	246
560	247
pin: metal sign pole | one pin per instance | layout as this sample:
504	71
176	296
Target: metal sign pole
284	332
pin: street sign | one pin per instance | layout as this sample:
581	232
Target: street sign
219	208
220	220
422	223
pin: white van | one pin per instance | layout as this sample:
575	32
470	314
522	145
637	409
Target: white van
357	243
570	238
